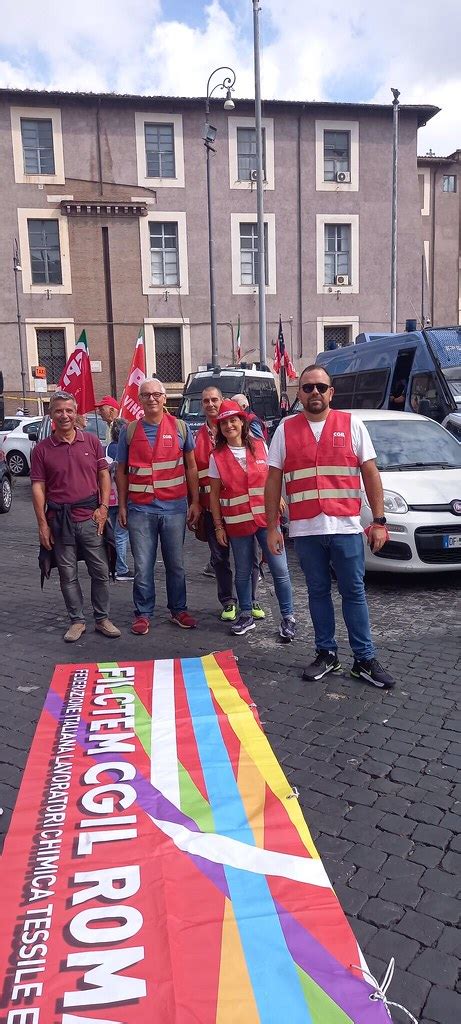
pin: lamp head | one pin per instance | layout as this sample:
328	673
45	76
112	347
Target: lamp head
228	102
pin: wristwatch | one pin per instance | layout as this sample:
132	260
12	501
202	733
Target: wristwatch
380	520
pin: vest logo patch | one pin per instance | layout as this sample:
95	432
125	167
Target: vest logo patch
167	440
339	439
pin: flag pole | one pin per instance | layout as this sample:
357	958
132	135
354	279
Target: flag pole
259	191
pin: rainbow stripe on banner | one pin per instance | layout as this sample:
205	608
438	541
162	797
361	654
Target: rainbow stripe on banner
158	867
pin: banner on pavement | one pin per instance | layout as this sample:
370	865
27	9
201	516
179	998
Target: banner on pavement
158	866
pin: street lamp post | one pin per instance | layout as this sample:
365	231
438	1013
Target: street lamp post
209	136
395	153
17	270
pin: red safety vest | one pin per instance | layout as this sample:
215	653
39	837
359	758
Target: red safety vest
203	450
242	492
321	476
156	471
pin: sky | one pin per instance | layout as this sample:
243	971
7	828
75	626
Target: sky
352	51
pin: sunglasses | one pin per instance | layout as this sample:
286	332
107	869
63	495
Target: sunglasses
321	388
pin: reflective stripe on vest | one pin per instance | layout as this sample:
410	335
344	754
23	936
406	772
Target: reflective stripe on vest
242	490
303	474
329	465
324	492
151	475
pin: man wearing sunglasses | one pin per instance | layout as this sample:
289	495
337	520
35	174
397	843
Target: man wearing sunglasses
321	454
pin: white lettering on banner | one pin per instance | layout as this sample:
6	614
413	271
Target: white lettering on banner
109	919
74	368
128	883
133	407
29	1016
109	987
127	798
127	771
117	744
81	931
89	839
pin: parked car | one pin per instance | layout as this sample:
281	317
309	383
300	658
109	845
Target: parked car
6	488
420	466
94	425
9	423
453	424
17	445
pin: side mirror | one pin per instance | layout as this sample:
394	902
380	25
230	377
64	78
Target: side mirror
33	435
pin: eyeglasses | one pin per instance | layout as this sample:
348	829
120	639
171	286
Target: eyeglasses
321	388
152	394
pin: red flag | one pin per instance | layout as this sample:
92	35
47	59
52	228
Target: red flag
130	407
76	377
291	372
277	358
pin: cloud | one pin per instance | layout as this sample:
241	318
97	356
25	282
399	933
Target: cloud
309	51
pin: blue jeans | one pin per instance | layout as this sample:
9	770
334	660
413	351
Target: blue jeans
121	542
145	530
243	548
345	553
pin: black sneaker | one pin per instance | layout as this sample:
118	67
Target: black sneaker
372	672
288	629
323	664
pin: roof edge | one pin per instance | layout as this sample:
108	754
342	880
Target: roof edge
424	111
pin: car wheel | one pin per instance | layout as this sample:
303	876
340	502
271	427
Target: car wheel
17	464
6	495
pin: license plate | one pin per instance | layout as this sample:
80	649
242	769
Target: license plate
451	540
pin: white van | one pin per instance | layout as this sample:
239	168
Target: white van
258	386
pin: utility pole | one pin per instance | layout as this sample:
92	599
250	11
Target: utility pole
259	191
395	152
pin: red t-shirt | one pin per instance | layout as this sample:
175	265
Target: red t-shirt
69	471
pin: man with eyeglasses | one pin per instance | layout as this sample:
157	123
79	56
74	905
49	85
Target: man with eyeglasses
156	471
321	454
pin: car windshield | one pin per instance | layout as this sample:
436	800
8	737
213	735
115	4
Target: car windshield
413	444
191	408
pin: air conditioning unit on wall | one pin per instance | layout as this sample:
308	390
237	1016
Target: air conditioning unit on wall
343	177
253	175
342	279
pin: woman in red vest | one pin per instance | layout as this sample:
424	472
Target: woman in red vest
237	474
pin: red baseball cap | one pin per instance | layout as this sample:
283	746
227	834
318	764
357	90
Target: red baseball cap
230	408
108	400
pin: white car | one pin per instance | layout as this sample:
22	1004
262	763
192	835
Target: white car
17	445
9	423
420	466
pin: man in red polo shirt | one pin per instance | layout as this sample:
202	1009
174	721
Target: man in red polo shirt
70	494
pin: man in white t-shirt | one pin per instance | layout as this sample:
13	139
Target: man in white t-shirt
321	453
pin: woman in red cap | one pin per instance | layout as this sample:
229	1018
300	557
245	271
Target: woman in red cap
237	473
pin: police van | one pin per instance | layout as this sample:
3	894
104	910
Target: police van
416	371
258	386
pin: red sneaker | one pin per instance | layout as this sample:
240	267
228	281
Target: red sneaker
140	625
184	620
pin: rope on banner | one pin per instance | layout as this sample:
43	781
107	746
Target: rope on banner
381	989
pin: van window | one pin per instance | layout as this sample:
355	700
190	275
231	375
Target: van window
263	399
365	390
370	389
425	396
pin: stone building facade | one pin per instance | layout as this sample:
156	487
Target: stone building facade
439	181
106	197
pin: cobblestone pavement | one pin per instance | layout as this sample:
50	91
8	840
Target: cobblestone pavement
377	772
